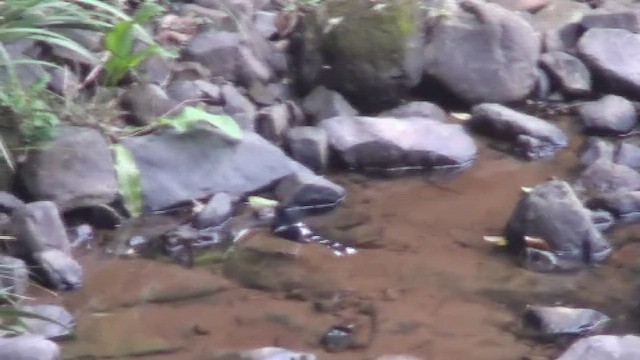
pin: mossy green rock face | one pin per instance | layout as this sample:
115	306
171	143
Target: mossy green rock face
370	53
265	264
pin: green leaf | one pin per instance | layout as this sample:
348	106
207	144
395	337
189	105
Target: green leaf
147	12
190	115
128	179
119	41
257	202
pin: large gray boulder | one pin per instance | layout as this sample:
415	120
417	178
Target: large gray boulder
604	176
374	143
532	137
38	226
568	72
501	47
228	55
613	55
323	103
177	167
610	115
74	170
146	103
553	213
371	55
604	347
28	347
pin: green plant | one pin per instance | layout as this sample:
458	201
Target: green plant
47	21
120	43
11	316
29	110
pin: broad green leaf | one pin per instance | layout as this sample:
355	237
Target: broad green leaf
258	202
128	179
190	115
119	41
147	12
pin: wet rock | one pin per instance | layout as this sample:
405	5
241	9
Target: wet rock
60	270
176	168
9	203
63	82
368	143
265	23
372	56
542	89
533	138
146	103
39	227
553	213
274	353
568	71
558	14
624	205
615	73
155	70
218	51
28	347
218	210
308	190
627	20
252	69
195	91
14	276
558	320
338	338
522	5
421	109
564	38
605	177
88	178
243	10
504	46
269	94
610	115
61	327
595	149
273	121
628	154
604	347
309	145
239	107
323	103
602	219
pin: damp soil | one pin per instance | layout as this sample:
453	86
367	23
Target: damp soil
432	286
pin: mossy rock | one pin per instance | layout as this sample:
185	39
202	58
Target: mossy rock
273	270
370	54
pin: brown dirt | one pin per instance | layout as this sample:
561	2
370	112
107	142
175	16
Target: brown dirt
439	291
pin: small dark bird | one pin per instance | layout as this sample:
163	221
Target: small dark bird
287	225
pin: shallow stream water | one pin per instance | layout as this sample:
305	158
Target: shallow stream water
435	288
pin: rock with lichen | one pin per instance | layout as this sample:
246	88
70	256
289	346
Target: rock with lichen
370	53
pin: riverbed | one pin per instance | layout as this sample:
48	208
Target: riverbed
433	287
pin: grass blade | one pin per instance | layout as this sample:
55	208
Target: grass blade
128	179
